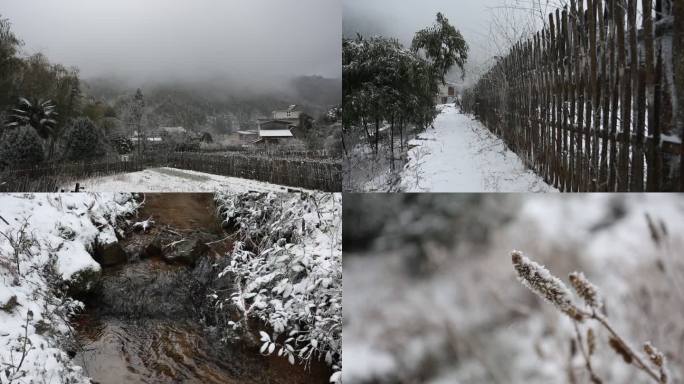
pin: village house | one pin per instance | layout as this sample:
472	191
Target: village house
248	137
149	139
278	129
446	93
274	131
176	132
291	114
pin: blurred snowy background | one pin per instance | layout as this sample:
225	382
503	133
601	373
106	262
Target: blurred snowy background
430	295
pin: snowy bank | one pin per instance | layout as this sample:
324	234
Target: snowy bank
45	249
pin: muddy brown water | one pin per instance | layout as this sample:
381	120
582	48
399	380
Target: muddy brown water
141	328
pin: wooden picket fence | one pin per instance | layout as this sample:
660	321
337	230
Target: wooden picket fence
297	173
589	102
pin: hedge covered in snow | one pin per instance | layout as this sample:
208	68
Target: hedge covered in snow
287	264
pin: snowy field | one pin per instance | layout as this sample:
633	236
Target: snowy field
176	180
461	155
471	321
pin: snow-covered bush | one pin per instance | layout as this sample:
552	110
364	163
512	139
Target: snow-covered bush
20	147
287	265
45	246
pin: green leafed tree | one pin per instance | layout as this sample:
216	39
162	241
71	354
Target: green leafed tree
384	82
41	79
443	45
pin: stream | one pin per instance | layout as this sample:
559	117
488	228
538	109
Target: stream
143	324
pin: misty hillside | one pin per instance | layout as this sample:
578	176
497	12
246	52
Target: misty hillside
188	104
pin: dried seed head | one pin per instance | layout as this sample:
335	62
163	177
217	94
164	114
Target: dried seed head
538	279
620	349
586	290
656	357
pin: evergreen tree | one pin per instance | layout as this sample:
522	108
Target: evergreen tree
137	109
83	140
9	64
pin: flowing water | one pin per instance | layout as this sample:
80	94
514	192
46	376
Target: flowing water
142	324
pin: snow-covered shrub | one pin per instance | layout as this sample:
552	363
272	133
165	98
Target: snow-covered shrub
20	147
44	251
287	265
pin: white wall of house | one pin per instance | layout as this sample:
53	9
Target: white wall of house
446	94
280	115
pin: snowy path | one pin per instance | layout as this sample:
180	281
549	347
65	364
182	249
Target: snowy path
176	180
461	155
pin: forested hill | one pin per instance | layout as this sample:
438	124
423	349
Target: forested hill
189	104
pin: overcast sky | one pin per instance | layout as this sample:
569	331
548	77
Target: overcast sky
401	20
186	39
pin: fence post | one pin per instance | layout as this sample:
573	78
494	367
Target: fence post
678	60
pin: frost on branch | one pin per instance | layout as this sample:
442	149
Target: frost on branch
538	279
586	290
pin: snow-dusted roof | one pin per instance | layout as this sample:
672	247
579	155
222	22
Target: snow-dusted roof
247	132
275	133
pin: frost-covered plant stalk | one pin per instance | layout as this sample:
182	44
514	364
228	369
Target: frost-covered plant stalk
540	281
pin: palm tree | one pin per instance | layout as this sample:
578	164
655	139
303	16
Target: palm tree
40	115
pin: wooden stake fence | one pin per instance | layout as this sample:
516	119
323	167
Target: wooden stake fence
323	175
590	102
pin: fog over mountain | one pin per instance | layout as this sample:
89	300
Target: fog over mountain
256	44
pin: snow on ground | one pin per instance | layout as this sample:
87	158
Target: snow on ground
367	172
45	239
473	322
461	155
176	180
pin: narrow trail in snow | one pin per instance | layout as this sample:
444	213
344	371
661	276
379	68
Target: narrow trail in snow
460	155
